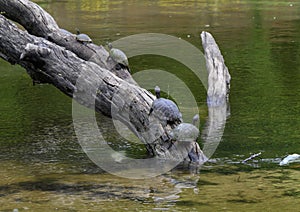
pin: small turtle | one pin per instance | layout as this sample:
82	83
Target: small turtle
119	57
189	133
165	110
83	38
185	131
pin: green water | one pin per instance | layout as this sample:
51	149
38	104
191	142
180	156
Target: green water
43	168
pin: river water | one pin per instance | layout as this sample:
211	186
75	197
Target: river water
43	167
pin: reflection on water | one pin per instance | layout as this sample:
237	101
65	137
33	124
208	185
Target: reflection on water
43	167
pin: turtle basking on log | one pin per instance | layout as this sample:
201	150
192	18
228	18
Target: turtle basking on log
119	57
188	133
165	110
83	38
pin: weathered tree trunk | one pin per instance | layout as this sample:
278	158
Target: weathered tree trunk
51	56
218	74
217	95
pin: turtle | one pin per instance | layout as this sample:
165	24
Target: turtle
83	38
119	57
165	110
188	133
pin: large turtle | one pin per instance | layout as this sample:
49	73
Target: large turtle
188	133
83	38
165	110
119	57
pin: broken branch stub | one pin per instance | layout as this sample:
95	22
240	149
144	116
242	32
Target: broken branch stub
218	74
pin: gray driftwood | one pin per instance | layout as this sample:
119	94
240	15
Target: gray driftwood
217	95
51	56
218	74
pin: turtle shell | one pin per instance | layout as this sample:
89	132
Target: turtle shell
166	111
118	56
185	132
83	38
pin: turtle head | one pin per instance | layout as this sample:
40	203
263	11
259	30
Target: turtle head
195	119
77	31
109	45
157	92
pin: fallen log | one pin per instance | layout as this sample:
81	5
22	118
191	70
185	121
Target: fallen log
51	56
53	64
